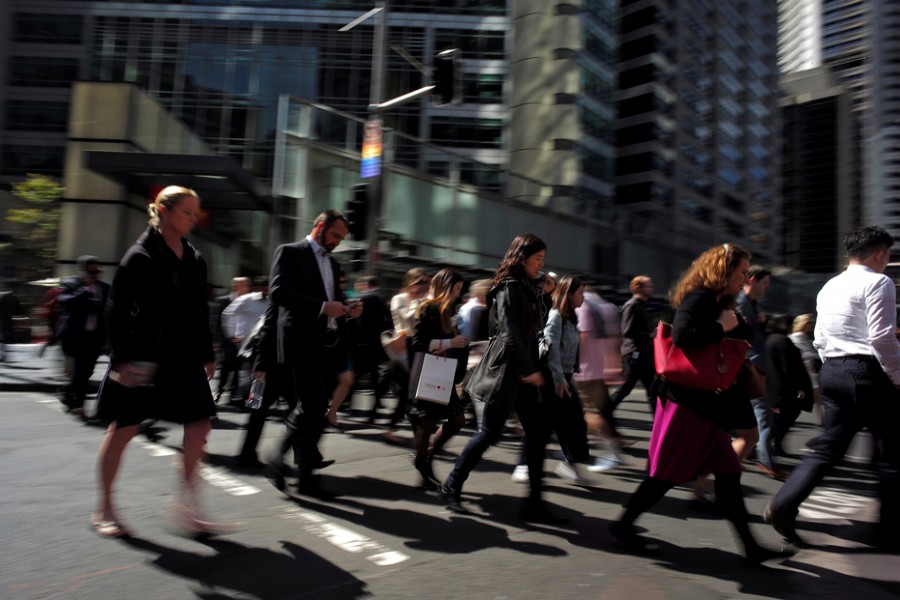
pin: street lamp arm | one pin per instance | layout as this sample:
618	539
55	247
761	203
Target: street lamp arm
401	99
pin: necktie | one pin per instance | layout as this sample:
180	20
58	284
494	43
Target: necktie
327	280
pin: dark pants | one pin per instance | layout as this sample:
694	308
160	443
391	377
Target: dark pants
493	421
84	356
856	393
784	420
367	360
636	366
230	366
312	384
565	416
278	383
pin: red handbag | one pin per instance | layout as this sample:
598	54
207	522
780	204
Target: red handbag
712	368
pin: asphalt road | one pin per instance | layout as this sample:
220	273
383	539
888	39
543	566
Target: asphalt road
383	537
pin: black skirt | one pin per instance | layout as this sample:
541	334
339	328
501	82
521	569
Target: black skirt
179	394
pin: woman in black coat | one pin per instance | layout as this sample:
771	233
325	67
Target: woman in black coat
788	386
435	333
508	377
162	356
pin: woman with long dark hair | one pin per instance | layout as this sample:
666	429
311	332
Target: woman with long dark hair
690	429
435	333
508	377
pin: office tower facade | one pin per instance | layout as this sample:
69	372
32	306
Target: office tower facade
859	42
697	131
819	166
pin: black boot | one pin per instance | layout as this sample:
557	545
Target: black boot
452	498
730	499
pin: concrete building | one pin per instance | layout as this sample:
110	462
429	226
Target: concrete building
819	168
697	132
859	42
221	68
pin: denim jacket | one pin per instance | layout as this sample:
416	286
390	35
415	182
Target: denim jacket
563	338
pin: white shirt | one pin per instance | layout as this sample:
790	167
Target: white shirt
857	314
242	313
326	273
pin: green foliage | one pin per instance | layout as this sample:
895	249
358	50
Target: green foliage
34	249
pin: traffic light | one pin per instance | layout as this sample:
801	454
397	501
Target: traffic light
357	211
446	77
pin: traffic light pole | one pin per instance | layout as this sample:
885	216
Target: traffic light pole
376	183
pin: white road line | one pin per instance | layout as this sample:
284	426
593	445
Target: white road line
155	449
829	503
345	539
231	485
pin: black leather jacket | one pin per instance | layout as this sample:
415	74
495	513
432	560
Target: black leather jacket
516	318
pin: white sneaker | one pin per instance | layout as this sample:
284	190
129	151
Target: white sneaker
576	473
520	474
602	464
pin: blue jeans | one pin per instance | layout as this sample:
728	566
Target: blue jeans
765	420
493	420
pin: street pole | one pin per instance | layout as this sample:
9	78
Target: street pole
376	183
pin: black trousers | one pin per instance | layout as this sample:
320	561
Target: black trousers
856	393
312	384
84	358
565	416
636	366
230	365
278	383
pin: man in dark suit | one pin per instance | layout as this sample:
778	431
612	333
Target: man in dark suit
305	286
82	328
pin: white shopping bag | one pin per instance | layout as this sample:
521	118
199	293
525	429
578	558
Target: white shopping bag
435	380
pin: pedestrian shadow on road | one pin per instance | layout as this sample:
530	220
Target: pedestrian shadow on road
257	572
437	531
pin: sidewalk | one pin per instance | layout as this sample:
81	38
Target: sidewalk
22	370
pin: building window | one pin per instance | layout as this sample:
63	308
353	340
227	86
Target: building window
19	159
36	115
467	133
41	71
47	28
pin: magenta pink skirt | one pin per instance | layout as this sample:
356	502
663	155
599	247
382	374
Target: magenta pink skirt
684	446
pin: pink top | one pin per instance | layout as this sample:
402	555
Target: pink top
591	351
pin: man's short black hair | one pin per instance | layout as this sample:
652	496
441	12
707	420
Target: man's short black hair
329	217
866	240
758	272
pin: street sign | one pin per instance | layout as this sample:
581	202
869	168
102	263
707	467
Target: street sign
371	150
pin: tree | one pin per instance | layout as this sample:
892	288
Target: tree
33	251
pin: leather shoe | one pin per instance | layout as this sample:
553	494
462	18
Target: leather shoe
757	554
630	540
782	525
276	474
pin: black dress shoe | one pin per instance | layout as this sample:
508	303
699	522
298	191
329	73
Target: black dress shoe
630	540
782	525
323	464
276	474
756	554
